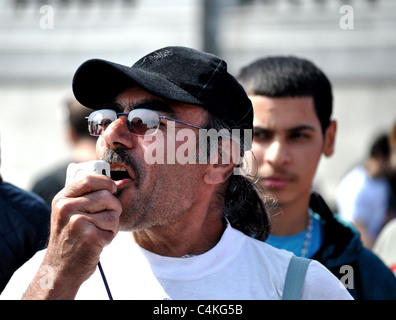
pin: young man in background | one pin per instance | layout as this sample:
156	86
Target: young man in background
292	102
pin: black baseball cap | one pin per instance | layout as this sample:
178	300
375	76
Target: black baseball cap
176	73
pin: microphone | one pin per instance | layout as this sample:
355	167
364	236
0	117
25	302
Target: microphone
77	171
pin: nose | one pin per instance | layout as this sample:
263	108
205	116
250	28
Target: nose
118	135
277	153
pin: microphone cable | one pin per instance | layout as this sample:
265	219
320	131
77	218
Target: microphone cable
105	281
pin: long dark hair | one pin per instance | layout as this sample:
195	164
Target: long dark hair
246	204
247	208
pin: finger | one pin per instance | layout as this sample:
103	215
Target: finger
96	229
106	220
84	239
89	184
98	201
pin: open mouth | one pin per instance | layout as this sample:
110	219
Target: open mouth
119	173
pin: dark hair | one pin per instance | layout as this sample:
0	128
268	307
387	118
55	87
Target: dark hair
76	114
380	146
245	205
289	77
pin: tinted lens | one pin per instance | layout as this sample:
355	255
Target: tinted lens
99	120
143	121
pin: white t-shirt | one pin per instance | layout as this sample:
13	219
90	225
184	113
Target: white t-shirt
238	267
363	199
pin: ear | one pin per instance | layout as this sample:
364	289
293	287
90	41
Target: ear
221	165
329	139
218	173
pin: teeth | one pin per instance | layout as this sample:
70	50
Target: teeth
118	168
119	173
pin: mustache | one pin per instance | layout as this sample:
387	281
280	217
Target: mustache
122	156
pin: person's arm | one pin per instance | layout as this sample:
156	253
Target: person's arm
84	219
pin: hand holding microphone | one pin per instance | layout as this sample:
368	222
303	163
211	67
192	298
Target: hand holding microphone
85	218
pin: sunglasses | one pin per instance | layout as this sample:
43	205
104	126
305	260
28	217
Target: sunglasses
141	122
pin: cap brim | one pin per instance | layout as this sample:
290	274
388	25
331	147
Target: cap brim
97	82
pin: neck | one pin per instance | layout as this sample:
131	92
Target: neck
292	219
196	232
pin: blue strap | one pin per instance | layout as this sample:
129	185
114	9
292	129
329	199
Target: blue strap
295	278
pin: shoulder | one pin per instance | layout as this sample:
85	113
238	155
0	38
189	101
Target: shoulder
370	261
321	284
262	250
54	180
23	210
19	198
383	285
21	278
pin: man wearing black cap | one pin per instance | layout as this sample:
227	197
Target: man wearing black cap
186	226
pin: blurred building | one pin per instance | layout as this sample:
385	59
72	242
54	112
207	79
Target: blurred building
43	42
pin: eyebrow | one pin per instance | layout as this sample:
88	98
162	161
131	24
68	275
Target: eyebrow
292	129
301	128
